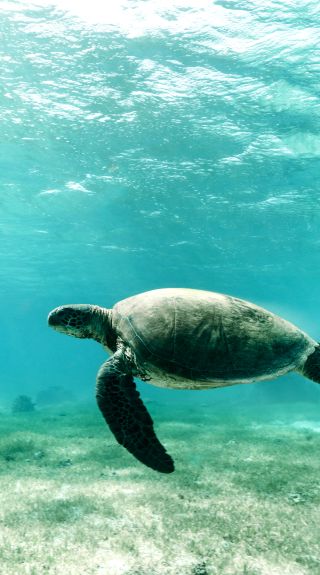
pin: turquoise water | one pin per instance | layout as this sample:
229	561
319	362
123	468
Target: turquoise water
149	144
154	144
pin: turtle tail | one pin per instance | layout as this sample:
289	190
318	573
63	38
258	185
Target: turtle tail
311	367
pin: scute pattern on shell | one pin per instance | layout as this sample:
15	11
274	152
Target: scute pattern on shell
207	337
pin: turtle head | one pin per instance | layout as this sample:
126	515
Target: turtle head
73	319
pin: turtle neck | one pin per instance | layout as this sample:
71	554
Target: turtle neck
102	327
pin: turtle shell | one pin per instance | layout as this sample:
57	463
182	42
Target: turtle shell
207	336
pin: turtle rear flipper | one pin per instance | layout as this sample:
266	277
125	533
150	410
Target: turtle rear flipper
127	417
311	367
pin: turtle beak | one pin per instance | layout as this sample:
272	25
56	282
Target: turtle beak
53	318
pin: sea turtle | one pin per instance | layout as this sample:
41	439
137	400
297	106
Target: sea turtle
181	338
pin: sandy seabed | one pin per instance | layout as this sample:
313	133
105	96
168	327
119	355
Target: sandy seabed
244	499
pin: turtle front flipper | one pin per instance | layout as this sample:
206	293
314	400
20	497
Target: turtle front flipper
127	417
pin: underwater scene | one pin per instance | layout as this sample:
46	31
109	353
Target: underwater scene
166	152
